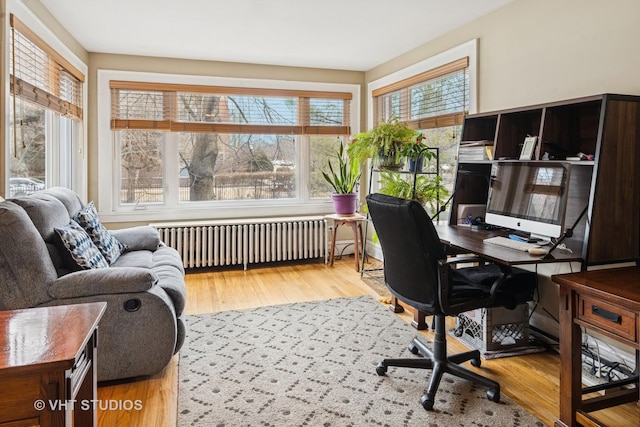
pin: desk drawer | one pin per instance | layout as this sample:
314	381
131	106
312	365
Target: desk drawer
609	317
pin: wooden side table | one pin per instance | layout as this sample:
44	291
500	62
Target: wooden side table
48	365
607	301
355	222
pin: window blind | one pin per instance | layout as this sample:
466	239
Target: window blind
220	109
42	76
435	98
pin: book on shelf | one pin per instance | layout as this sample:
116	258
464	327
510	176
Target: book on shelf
471	151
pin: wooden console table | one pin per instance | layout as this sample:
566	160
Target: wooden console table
48	365
607	301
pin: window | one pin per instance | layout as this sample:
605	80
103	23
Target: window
433	97
46	113
181	148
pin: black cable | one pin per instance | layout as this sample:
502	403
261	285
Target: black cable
568	232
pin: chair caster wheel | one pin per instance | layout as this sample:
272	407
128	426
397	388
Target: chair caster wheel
381	369
493	395
476	362
413	349
426	402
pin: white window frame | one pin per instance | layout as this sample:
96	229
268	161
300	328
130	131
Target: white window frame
54	175
109	183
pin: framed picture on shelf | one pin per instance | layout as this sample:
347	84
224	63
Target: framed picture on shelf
528	148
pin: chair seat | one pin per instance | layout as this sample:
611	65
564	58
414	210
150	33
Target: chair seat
470	283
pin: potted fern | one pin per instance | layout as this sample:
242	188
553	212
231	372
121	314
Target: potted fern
343	179
425	190
384	143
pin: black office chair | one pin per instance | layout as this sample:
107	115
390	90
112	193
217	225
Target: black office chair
418	273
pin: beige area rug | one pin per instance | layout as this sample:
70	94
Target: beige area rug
313	364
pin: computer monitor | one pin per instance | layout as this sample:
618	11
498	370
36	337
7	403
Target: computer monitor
529	197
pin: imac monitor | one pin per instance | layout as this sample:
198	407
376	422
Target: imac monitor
529	196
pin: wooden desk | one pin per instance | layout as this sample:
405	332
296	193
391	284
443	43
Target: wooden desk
48	365
607	301
355	222
466	239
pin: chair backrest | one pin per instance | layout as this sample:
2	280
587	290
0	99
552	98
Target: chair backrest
411	250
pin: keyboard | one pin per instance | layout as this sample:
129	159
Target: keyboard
510	243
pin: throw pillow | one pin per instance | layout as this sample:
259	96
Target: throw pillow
80	246
109	246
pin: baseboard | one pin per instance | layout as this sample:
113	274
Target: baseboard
373	250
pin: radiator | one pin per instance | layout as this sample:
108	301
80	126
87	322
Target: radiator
246	241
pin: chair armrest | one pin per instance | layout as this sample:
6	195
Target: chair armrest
142	237
506	269
463	259
112	280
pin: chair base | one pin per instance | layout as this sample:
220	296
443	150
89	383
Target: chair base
438	361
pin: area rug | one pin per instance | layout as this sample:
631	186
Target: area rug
313	364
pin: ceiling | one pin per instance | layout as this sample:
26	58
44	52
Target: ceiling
336	34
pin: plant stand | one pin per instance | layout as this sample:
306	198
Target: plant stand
355	222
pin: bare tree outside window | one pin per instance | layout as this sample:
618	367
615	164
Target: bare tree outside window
28	149
229	146
141	154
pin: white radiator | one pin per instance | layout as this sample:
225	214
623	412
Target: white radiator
246	241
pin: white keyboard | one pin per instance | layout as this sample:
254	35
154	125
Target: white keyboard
510	243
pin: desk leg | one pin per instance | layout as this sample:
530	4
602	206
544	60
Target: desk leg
395	306
570	360
419	320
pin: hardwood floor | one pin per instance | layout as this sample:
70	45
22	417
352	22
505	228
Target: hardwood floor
530	380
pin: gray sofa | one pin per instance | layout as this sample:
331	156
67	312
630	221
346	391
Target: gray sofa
144	287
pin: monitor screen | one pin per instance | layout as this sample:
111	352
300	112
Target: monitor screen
529	196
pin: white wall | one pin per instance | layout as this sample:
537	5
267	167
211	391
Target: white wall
539	51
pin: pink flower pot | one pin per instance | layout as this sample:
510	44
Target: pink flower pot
345	204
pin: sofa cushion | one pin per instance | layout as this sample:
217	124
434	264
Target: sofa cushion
66	196
80	246
142	237
140	259
26	270
46	213
108	245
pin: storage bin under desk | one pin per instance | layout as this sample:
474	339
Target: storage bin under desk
494	329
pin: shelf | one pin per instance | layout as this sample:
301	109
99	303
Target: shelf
403	172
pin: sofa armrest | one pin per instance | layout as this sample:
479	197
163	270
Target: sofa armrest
143	237
112	280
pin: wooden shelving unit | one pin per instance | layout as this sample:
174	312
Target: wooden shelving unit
605	126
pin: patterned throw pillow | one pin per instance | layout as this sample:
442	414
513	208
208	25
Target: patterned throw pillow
80	246
108	245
